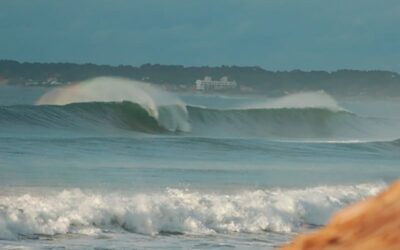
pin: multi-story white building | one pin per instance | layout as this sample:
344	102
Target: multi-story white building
209	84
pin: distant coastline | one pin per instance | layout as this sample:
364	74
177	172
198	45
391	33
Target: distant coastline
250	79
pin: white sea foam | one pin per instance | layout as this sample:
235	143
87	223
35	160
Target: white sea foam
174	210
112	89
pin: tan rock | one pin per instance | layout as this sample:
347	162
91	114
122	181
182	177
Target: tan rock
373	224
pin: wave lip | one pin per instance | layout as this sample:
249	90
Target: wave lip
174	211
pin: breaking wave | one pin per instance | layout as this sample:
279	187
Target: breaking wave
174	211
136	106
129	116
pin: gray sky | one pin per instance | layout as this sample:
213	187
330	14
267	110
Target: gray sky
277	35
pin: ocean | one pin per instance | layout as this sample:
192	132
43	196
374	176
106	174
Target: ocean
116	164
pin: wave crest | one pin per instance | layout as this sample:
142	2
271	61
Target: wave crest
276	123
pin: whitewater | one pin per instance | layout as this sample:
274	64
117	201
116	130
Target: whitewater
111	163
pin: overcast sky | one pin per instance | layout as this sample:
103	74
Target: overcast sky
277	35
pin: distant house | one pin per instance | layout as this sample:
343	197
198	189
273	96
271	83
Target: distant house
209	84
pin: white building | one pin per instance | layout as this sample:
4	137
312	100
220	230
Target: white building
209	84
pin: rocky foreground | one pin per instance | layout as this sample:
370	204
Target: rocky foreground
373	224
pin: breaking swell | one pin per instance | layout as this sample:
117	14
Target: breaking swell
130	116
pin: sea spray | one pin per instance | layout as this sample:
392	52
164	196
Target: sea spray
111	89
300	100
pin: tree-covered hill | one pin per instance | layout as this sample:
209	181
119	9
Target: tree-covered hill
341	82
